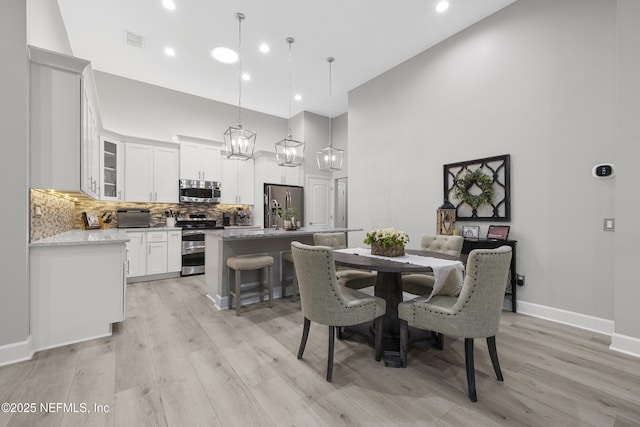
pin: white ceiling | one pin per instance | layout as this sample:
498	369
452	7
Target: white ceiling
366	37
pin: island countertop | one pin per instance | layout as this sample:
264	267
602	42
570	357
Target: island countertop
271	233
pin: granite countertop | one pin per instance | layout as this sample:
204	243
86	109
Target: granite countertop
84	237
269	233
156	228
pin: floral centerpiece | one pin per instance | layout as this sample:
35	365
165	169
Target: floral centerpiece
387	242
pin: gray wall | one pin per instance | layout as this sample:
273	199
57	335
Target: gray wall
535	80
627	292
133	108
14	75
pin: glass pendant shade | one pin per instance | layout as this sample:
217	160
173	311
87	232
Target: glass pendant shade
239	142
289	152
330	159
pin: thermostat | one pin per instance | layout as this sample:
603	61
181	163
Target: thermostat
604	171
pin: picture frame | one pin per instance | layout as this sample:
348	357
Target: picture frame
498	232
471	231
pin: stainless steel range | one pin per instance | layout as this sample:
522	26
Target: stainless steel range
193	229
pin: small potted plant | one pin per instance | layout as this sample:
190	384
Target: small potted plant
288	215
387	242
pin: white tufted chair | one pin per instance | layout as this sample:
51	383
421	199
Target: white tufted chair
475	313
325	302
351	278
422	284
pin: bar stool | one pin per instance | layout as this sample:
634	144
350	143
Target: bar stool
287	259
242	263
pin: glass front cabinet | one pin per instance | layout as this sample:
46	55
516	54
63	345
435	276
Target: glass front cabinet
111	169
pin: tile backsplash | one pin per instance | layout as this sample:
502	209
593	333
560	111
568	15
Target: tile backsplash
50	215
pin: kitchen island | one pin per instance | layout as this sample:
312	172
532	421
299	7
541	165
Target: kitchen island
78	286
222	244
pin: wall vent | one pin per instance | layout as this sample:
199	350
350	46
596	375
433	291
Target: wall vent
135	40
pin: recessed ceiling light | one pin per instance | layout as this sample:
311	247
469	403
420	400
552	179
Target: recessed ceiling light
442	6
264	48
225	55
169	4
297	97
246	77
169	51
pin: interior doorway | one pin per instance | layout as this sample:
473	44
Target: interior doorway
341	219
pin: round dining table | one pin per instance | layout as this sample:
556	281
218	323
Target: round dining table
389	287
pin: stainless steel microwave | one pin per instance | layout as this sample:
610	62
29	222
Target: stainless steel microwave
197	191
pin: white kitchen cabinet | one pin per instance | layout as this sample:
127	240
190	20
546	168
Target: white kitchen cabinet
200	161
56	119
90	150
77	292
151	173
174	251
111	169
268	171
136	254
156	252
238	180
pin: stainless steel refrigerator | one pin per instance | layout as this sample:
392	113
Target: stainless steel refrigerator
282	197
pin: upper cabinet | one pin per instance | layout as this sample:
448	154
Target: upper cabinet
57	105
151	173
111	169
237	182
268	171
199	159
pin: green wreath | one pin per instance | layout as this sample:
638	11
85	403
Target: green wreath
463	184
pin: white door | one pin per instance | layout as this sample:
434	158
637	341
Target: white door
318	202
341	203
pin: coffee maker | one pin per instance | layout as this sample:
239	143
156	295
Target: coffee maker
243	217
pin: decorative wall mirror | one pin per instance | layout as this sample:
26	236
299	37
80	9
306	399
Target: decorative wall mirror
479	189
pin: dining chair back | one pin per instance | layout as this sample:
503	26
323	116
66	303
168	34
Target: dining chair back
475	313
324	301
422	283
349	277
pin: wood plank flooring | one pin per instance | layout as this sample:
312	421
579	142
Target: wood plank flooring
176	361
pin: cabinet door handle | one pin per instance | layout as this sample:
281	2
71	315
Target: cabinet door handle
156	196
120	195
150	196
127	266
149	249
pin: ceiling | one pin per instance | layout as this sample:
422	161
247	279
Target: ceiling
366	37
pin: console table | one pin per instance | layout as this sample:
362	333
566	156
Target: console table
471	244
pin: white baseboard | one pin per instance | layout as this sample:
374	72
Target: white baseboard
625	344
16	352
621	343
578	320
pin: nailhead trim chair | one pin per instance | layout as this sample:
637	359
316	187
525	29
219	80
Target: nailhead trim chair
422	283
324	301
351	278
475	313
241	263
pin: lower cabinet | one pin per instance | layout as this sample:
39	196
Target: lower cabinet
153	252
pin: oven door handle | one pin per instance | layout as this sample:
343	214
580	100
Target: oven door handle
191	232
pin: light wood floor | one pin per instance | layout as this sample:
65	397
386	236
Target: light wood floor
176	361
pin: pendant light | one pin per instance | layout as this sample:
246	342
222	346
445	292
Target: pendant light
289	152
330	159
239	142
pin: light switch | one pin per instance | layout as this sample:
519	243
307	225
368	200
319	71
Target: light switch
38	211
609	224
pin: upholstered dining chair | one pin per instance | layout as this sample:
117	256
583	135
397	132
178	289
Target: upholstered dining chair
324	301
422	283
351	278
475	313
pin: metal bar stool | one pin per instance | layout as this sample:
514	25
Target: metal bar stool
242	263
287	259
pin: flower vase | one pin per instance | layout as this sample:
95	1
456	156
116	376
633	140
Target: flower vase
388	251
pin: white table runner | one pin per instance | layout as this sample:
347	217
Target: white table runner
448	275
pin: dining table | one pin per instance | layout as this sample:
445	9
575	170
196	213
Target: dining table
388	286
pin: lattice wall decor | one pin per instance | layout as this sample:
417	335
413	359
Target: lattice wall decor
498	169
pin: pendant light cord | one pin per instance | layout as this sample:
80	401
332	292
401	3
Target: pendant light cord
290	40
330	60
240	17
